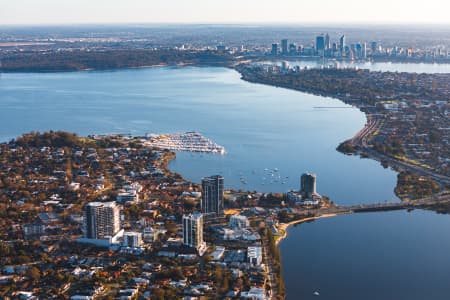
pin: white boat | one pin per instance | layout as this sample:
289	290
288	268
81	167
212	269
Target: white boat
316	293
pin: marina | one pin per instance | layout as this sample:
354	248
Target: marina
188	141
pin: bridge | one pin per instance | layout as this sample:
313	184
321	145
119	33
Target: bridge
441	198
429	201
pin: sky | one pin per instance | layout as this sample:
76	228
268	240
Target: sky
223	11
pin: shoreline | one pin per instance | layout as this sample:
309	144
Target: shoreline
93	69
159	65
289	58
285	226
221	63
364	151
225	64
169	156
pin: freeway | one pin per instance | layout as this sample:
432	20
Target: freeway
361	138
403	165
361	141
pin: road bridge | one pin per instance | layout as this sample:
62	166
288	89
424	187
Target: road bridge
441	198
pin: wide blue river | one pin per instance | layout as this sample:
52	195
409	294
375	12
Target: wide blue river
261	127
373	66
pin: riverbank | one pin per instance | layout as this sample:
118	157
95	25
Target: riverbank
367	91
283	227
136	116
78	60
294	58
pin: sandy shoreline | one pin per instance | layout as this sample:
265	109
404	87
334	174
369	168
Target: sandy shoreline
285	226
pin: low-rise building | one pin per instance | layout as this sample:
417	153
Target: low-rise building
254	255
132	239
33	231
127	197
239	222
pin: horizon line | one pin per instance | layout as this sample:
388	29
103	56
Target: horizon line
243	23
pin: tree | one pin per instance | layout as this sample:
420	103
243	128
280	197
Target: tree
34	274
5	249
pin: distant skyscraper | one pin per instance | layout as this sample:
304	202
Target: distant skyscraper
342	44
193	230
327	42
308	184
212	195
284	46
335	47
101	220
320	43
274	49
373	47
292	48
358	50
364	50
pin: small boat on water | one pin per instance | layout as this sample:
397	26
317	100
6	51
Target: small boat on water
316	293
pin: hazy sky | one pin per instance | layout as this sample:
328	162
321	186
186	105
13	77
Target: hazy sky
223	11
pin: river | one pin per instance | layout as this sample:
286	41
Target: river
371	256
373	66
261	127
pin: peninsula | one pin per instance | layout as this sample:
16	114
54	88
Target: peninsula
408	117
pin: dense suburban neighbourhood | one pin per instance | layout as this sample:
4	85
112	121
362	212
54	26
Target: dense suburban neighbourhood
51	184
102	217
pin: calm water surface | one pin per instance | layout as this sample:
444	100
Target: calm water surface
371	256
373	66
260	126
390	256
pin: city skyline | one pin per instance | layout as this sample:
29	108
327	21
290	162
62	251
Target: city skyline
202	11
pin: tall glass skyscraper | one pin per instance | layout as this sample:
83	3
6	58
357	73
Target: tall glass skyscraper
308	185
320	43
284	46
342	45
327	42
212	196
274	49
